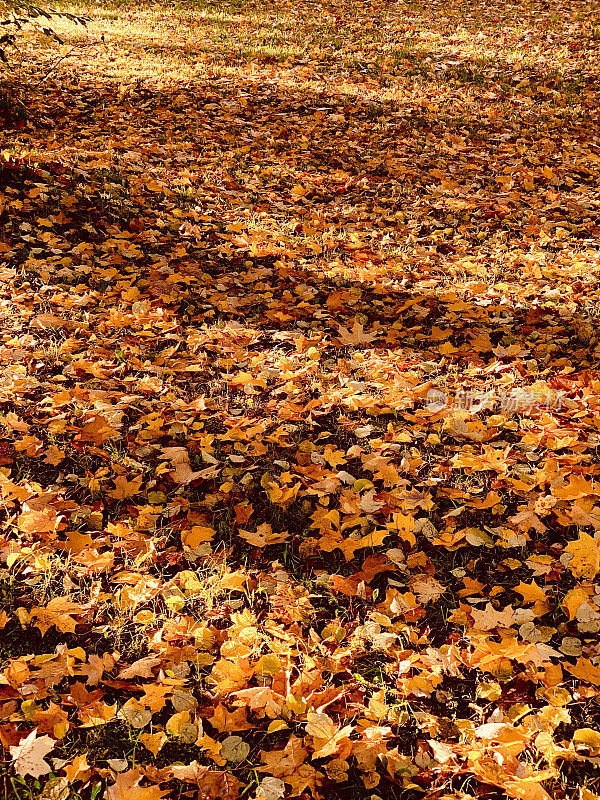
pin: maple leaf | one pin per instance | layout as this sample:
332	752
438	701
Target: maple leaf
262	699
78	769
327	736
52	720
197	536
576	488
531	592
98	430
573	601
243	512
403	525
426	588
369	504
280	763
124	488
585	671
528	788
264	536
54	455
98	713
127	787
305	777
58	613
354	336
223	720
153	741
32	520
212	784
180	460
142	668
585	556
212	749
207	326
47	322
28	756
489	618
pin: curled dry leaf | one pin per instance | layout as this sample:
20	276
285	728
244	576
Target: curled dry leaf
586	741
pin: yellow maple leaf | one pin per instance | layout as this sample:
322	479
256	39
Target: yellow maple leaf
124	488
78	769
229	675
198	535
585	552
127	787
577	487
531	592
527	789
212	748
96	714
327	735
585	671
263	536
57	613
153	741
403	525
573	599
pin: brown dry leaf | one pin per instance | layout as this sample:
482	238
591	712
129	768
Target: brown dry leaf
488	618
235	749
48	322
426	588
180	460
142	668
135	714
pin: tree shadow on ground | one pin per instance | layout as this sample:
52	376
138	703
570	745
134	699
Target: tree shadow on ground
309	169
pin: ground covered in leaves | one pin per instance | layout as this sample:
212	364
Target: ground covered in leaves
300	404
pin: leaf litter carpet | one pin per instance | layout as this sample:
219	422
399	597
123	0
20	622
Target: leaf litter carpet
300	406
